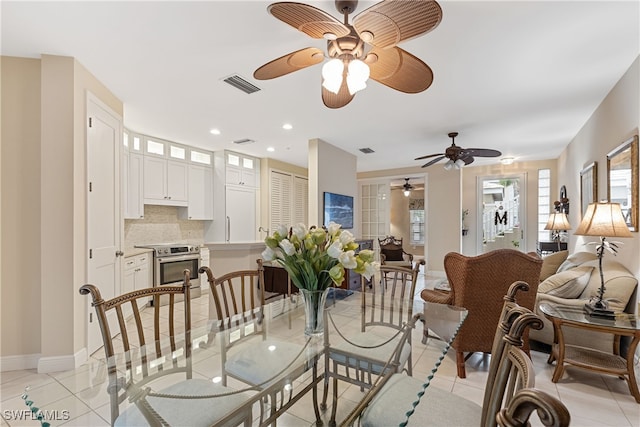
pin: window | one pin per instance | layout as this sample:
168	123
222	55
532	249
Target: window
544	203
416	221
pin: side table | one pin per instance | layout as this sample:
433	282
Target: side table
586	358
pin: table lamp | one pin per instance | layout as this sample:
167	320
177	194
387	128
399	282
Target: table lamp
602	219
557	221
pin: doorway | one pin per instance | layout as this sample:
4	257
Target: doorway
502	206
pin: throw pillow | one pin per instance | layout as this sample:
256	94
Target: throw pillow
550	264
568	284
576	259
393	255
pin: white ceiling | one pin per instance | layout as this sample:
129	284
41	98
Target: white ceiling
521	77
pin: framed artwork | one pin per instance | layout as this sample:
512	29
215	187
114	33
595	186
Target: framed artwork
622	180
588	186
339	209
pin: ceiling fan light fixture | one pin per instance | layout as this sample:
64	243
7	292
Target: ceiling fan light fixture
448	165
329	36
357	76
459	164
332	75
406	193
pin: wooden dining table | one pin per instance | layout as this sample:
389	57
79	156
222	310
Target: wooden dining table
278	326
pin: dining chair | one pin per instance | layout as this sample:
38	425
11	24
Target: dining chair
392	253
396	402
386	310
248	353
138	354
478	284
550	410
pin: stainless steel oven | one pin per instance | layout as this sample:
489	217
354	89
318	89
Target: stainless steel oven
169	262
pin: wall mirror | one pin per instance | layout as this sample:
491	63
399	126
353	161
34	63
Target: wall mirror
588	186
622	180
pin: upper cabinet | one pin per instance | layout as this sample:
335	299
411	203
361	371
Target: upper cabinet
165	173
158	172
241	170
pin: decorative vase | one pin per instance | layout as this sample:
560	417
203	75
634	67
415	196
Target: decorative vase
314	302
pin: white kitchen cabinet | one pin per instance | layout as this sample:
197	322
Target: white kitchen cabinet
241	170
134	206
241	214
236	210
138	274
165	181
200	192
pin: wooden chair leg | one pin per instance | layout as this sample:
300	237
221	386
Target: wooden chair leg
460	364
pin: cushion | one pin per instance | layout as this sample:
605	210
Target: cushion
568	284
550	264
575	260
392	254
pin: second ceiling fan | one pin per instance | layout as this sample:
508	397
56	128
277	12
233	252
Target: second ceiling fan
458	156
364	49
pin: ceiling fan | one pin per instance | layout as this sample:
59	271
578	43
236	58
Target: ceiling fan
364	49
458	156
407	187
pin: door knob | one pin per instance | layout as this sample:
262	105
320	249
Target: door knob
119	253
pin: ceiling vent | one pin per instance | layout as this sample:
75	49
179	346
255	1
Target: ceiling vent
240	83
367	150
244	141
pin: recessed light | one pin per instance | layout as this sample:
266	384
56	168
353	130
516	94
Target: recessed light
271	149
287	126
215	131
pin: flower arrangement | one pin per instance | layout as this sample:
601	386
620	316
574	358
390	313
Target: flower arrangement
317	257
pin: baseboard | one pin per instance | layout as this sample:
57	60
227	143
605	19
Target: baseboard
19	363
62	363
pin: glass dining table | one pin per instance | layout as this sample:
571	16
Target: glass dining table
155	384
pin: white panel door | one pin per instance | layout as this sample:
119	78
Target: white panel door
241	214
104	220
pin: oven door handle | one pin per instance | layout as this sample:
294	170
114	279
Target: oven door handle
176	258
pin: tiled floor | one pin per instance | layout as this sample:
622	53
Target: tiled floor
592	399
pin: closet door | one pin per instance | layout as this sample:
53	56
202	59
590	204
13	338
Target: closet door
281	191
300	200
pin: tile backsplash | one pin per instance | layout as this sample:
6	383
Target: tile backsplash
161	224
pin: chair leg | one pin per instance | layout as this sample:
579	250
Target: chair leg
460	364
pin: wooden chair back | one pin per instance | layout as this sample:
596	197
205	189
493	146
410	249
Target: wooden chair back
125	335
237	294
550	410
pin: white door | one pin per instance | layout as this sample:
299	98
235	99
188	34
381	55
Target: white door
501	223
104	222
241	214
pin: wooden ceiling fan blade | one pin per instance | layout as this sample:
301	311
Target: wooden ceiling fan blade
428	156
393	21
286	64
339	100
482	152
467	159
399	70
434	161
310	20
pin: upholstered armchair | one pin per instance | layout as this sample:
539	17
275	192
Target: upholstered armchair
478	284
392	253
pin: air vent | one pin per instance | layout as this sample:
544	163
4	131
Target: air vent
244	141
367	150
240	83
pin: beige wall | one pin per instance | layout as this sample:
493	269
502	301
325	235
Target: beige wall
470	176
46	121
330	169
20	197
614	121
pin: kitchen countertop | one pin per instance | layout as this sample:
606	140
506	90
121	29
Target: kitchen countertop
136	251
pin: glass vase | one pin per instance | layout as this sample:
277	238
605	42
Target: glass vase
314	302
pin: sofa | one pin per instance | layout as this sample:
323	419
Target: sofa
571	280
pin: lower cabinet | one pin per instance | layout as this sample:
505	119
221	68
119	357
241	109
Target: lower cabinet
138	274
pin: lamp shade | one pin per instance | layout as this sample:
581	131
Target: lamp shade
558	221
603	219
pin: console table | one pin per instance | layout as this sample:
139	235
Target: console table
549	247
